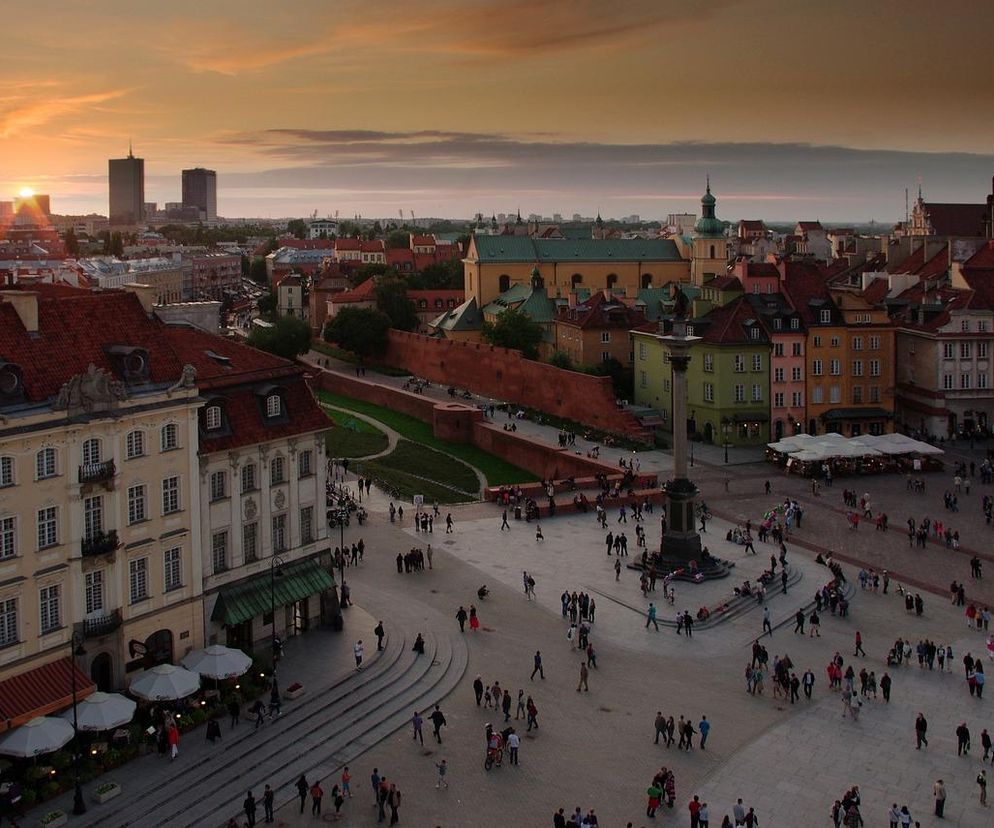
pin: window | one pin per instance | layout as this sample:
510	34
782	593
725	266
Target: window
797	350
982	325
874	393
857	368
304	464
690	330
212	417
218	485
172	571
834	342
778	349
250	541
45	463
754	333
666	386
795	324
642	350
138	579
91	451
965	325
708	392
778	374
740	363
307	524
48	527
276	470
274	405
8	622
874	343
740	393
826	317
964	350
797	399
643	380
6	471
709	362
948	350
49	605
757	393
835	368
834	395
757	362
605	336
816	367
778	399
94	592
170	495
981	350
817	341
777	323
248	478
857	343
605	356
857	394
135	444
169	437
136	504
981	383
862	318
279	533
965	381
219	551
817	395
93	516
874	367
947	381
8	537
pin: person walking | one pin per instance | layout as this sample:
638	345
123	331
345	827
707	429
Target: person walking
538	666
448	524
417	722
513	743
982	783
478	689
584	672
939	792
357	652
885	686
650	617
316	794
267	803
393	800
617	570
374	781
704	726
695	811
808	683
503	522
248	806
461	617
437	721
660	725
962	739
379	632
767	626
302	789
921	728
799	621
859	645
442	768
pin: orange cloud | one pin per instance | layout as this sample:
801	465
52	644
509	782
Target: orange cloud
23	112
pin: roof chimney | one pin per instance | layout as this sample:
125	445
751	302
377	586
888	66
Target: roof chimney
147	295
25	302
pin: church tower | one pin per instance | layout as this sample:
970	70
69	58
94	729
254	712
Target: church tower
710	248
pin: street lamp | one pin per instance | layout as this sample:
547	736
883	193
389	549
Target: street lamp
275	564
341	516
78	805
726	428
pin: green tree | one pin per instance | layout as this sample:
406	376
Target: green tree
398	239
375	231
622	378
391	299
438	276
298	227
72	243
257	271
267	305
363	331
561	360
514	329
288	337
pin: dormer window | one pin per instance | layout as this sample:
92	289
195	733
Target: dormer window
274	405
777	324
795	324
131	363
212	417
754	332
826	317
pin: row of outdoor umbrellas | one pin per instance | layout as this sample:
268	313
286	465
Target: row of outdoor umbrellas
105	711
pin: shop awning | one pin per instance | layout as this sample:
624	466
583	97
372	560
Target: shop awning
257	595
857	414
41	691
751	417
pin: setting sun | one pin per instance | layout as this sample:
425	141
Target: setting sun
26	192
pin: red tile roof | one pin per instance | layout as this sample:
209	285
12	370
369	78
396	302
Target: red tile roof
423	241
752	224
727	324
725	283
364	292
374	246
306	244
43	690
809	225
600	312
957	219
399	256
983	259
347	244
430	296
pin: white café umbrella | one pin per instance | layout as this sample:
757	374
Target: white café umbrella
102	711
43	734
165	681
218	662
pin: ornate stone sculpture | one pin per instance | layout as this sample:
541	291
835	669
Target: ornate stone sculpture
93	390
187	379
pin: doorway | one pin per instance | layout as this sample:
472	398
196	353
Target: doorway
102	672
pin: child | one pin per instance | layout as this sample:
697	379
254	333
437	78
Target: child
347	782
442	769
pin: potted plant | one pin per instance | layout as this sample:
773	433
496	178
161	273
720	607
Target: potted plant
294	690
53	819
106	791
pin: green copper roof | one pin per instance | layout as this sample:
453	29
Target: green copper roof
534	302
527	249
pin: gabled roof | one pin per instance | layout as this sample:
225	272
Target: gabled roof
528	249
982	260
466	317
725	283
422	241
956	219
532	301
806	226
600	312
730	324
752	224
363	292
806	286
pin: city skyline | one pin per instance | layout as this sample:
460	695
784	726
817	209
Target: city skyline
479	106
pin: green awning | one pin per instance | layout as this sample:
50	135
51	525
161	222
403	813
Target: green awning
257	595
856	414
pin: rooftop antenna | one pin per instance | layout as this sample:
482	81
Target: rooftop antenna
906	213
131	152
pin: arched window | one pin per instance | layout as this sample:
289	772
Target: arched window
212	417
135	444
422	304
274	405
576	279
503	283
169	437
646	280
612	279
712	252
92	451
277	470
45	463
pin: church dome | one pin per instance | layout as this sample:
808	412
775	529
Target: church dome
709	224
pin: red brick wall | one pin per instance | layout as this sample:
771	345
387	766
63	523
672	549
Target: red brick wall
393	398
503	374
539	458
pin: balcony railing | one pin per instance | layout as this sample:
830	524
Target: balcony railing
100	543
96	472
102	624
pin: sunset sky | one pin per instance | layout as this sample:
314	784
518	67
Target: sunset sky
448	107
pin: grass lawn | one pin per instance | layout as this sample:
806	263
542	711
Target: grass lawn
494	469
352	437
421	461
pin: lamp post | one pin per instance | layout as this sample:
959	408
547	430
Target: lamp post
78	804
726	427
274	564
341	517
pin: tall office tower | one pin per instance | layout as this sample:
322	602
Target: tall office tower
127	189
200	191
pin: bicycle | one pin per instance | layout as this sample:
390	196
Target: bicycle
494	757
